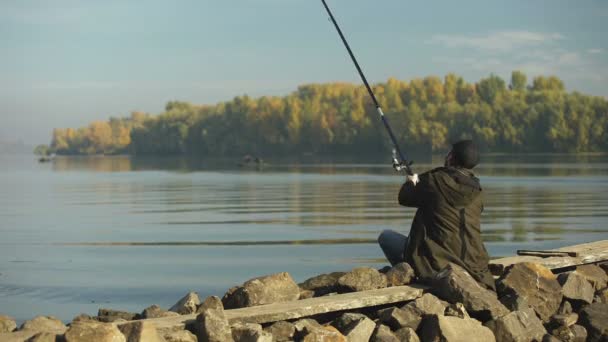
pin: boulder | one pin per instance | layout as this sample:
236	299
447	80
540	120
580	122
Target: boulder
565	308
83	318
304	326
211	324
281	331
397	318
155	311
594	318
536	284
550	338
513	302
141	331
456	285
43	337
248	332
575	288
579	332
109	315
594	275
601	296
362	279
355	327
565	320
306	294
407	335
400	274
270	289
563	333
44	324
452	329
18	336
92	331
324	334
322	284
428	304
180	336
457	310
383	334
518	326
7	324
187	305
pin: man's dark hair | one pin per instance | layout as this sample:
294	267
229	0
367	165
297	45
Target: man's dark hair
465	153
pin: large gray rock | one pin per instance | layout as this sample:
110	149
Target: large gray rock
594	318
270	289
109	315
180	336
343	321
211	324
400	274
454	329
457	310
576	288
407	335
575	333
518	326
324	334
383	334
155	311
456	285
44	337
564	320
7	324
579	332
248	332
397	318
90	331
356	327
322	284
362	279
304	326
187	305
536	284
141	331
594	275
428	304
18	336
281	331
44	324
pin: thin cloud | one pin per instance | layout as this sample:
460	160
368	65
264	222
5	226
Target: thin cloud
496	41
595	51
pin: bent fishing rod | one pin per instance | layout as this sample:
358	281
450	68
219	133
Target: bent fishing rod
399	161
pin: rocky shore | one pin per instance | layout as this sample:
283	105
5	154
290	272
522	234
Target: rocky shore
531	304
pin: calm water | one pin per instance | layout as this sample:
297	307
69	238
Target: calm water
82	233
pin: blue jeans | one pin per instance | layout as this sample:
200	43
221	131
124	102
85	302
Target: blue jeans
393	245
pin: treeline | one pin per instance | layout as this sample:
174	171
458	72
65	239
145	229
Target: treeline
426	114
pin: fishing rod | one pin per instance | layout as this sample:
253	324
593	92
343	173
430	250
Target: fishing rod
399	161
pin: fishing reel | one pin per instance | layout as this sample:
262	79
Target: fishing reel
400	165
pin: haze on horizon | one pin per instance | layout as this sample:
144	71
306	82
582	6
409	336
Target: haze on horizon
66	63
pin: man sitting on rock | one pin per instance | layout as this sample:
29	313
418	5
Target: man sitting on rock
446	227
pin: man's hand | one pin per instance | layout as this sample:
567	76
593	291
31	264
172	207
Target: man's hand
412	178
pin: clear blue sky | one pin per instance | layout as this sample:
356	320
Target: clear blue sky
65	63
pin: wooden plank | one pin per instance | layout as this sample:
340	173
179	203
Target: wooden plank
587	253
302	308
546	254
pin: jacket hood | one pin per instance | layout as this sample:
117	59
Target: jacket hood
459	186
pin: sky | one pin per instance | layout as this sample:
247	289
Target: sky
65	63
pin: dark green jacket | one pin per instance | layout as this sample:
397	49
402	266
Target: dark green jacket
446	227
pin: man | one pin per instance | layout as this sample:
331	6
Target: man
446	227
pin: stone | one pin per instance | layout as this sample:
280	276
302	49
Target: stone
180	336
513	302
141	331
18	336
92	331
602	296
565	308
575	333
187	305
362	279
305	294
355	327
455	285
407	335
400	274
579	332
518	326
397	318
452	329
83	318
211	324
7	324
428	304
210	303
248	332
324	334
550	338
304	326
155	311
44	324
275	288
576	288
457	310
383	334
564	320
536	284
109	315
43	337
594	318
281	331
594	275
322	284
